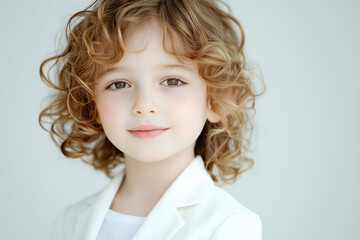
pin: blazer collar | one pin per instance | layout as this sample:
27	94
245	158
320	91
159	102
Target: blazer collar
164	219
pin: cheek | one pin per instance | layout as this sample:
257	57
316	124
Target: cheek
110	111
190	110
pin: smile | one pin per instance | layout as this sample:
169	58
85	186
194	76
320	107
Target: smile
147	133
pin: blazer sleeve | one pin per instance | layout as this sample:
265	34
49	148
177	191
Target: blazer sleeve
239	226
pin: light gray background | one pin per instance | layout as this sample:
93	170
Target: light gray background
305	183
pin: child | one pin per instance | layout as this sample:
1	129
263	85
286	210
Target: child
153	93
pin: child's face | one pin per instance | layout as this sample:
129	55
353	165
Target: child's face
142	89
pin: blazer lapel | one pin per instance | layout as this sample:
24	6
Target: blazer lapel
88	222
165	220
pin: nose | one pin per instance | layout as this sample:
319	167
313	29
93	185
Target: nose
145	105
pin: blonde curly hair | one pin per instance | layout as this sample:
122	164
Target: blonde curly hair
95	37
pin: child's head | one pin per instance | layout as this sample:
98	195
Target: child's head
177	64
152	87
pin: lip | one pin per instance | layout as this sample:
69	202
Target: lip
147	131
147	128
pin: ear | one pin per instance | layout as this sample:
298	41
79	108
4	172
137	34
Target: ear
212	116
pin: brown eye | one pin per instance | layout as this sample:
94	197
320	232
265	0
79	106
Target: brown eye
117	85
174	82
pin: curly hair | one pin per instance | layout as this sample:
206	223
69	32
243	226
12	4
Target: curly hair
95	36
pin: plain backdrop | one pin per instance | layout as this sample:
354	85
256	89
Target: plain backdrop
305	182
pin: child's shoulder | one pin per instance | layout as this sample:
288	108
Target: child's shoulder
225	202
81	204
64	223
233	218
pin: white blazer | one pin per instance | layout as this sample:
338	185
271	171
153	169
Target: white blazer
192	208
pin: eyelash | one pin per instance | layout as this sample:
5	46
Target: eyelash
114	89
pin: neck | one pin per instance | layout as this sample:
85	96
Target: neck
149	180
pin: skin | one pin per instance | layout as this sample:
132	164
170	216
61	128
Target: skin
150	96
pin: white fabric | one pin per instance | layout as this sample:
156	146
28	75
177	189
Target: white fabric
192	208
118	226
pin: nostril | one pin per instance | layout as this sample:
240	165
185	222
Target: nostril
141	112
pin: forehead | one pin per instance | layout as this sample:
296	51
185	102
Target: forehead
137	37
145	49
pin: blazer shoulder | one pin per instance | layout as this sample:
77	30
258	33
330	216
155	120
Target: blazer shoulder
237	221
227	203
64	222
240	225
74	209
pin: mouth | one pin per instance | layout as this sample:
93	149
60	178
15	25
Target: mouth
142	134
147	131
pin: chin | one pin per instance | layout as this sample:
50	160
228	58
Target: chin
148	157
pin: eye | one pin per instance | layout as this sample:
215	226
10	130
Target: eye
173	82
118	85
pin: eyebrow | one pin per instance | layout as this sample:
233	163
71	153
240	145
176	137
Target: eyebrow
161	66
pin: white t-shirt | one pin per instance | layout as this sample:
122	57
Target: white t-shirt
118	226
